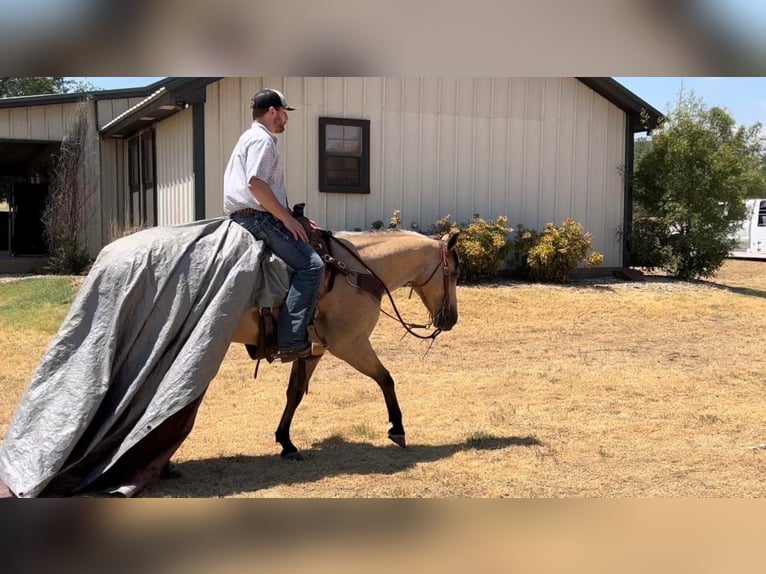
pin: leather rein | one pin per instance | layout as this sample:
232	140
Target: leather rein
410	327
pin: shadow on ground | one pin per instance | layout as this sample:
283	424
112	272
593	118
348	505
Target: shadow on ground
747	291
333	456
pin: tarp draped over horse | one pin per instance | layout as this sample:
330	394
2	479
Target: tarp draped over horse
117	391
118	388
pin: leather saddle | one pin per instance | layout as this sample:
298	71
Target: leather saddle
322	241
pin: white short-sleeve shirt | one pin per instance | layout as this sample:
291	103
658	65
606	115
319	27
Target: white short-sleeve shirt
255	155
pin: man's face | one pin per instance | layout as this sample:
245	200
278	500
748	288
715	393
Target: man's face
279	120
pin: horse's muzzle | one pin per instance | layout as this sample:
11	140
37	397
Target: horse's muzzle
446	320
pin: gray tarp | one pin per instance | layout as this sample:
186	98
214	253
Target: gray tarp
144	337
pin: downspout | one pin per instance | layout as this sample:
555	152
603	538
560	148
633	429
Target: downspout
198	159
627	217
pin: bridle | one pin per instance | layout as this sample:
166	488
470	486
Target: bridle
444	263
410	327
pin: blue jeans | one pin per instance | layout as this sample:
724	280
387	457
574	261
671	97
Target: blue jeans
298	308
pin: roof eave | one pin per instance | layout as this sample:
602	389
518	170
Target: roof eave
173	96
627	101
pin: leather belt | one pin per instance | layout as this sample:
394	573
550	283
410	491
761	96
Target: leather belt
248	211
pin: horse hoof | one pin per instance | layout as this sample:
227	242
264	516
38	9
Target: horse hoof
295	455
398	439
170	471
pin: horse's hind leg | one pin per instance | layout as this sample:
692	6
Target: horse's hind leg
363	358
299	381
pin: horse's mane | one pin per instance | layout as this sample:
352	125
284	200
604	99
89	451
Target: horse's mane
361	239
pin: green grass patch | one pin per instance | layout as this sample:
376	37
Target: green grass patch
38	303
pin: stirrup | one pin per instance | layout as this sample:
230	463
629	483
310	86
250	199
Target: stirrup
318	344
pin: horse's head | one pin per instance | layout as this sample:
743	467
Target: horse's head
438	290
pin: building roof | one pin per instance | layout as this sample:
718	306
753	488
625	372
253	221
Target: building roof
171	95
627	101
43	99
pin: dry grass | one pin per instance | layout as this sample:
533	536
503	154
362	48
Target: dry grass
601	389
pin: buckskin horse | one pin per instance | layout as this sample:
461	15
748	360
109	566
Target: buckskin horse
347	312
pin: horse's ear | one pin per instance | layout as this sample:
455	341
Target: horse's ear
451	239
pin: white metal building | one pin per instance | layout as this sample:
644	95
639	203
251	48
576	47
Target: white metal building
537	150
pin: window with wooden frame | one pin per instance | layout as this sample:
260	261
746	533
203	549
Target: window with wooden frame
344	155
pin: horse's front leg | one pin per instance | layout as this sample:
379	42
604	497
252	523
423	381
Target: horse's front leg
300	374
360	355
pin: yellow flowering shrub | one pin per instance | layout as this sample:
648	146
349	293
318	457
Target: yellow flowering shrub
482	247
552	255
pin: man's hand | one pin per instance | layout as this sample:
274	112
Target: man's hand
265	196
295	227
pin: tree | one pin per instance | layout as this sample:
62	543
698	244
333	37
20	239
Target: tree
691	182
38	85
65	214
34	86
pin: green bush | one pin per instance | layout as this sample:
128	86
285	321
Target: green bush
394	222
648	242
691	181
552	255
482	247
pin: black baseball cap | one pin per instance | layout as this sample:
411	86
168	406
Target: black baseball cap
267	98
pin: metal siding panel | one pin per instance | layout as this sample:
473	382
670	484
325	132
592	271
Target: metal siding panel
448	90
311	109
335	102
534	98
112	219
515	178
20	123
354	89
38	126
581	151
411	148
392	168
500	95
550	152
411	94
248	87
465	158
466	97
518	97
374	111
234	117
566	147
612	245
429	101
355	93
393	97
295	144
213	152
532	166
499	158
483	97
104	108
57	120
482	143
175	169
598	159
429	171
5	123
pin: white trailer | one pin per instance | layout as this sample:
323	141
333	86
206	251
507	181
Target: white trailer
751	236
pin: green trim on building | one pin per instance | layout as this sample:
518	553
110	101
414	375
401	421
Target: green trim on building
198	159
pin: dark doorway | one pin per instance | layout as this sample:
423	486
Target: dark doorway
142	192
26	225
4	231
